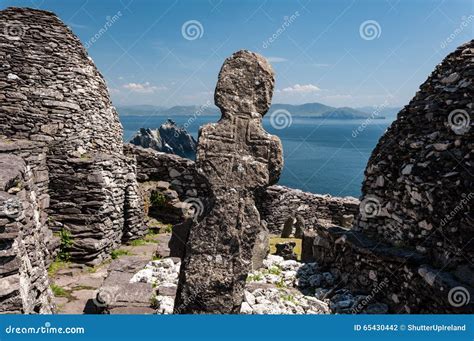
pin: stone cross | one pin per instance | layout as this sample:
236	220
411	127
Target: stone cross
238	158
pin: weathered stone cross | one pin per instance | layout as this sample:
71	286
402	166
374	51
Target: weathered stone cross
237	157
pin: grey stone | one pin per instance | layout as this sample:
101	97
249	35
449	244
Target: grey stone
237	157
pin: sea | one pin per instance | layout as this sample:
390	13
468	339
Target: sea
324	156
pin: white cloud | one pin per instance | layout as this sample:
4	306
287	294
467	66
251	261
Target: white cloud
297	88
144	88
277	59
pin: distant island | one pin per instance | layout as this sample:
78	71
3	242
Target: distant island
313	110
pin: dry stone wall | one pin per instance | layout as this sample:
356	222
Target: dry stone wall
278	203
26	243
275	204
51	92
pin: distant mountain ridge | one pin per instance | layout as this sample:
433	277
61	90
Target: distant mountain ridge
314	110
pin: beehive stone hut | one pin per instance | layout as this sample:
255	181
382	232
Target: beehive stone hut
418	189
412	242
62	136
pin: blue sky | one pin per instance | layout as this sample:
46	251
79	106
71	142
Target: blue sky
319	49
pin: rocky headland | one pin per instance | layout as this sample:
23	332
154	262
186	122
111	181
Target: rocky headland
168	138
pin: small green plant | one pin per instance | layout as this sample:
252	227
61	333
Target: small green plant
119	252
168	228
254	278
66	243
274	270
137	242
289	298
280	283
157	199
156	258
154	301
59	291
57	265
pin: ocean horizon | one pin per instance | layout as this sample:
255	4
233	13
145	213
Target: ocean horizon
324	156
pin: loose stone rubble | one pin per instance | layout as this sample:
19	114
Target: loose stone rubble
237	157
279	287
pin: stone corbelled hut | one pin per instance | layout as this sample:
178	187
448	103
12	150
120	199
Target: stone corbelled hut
57	118
419	181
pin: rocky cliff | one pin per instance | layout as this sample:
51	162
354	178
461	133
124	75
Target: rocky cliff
168	138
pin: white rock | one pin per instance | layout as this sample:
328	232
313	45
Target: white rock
12	77
272	260
165	304
249	297
246	308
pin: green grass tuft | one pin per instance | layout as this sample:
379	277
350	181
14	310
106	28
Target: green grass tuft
119	252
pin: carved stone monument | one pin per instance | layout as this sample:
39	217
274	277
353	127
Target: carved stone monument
238	158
